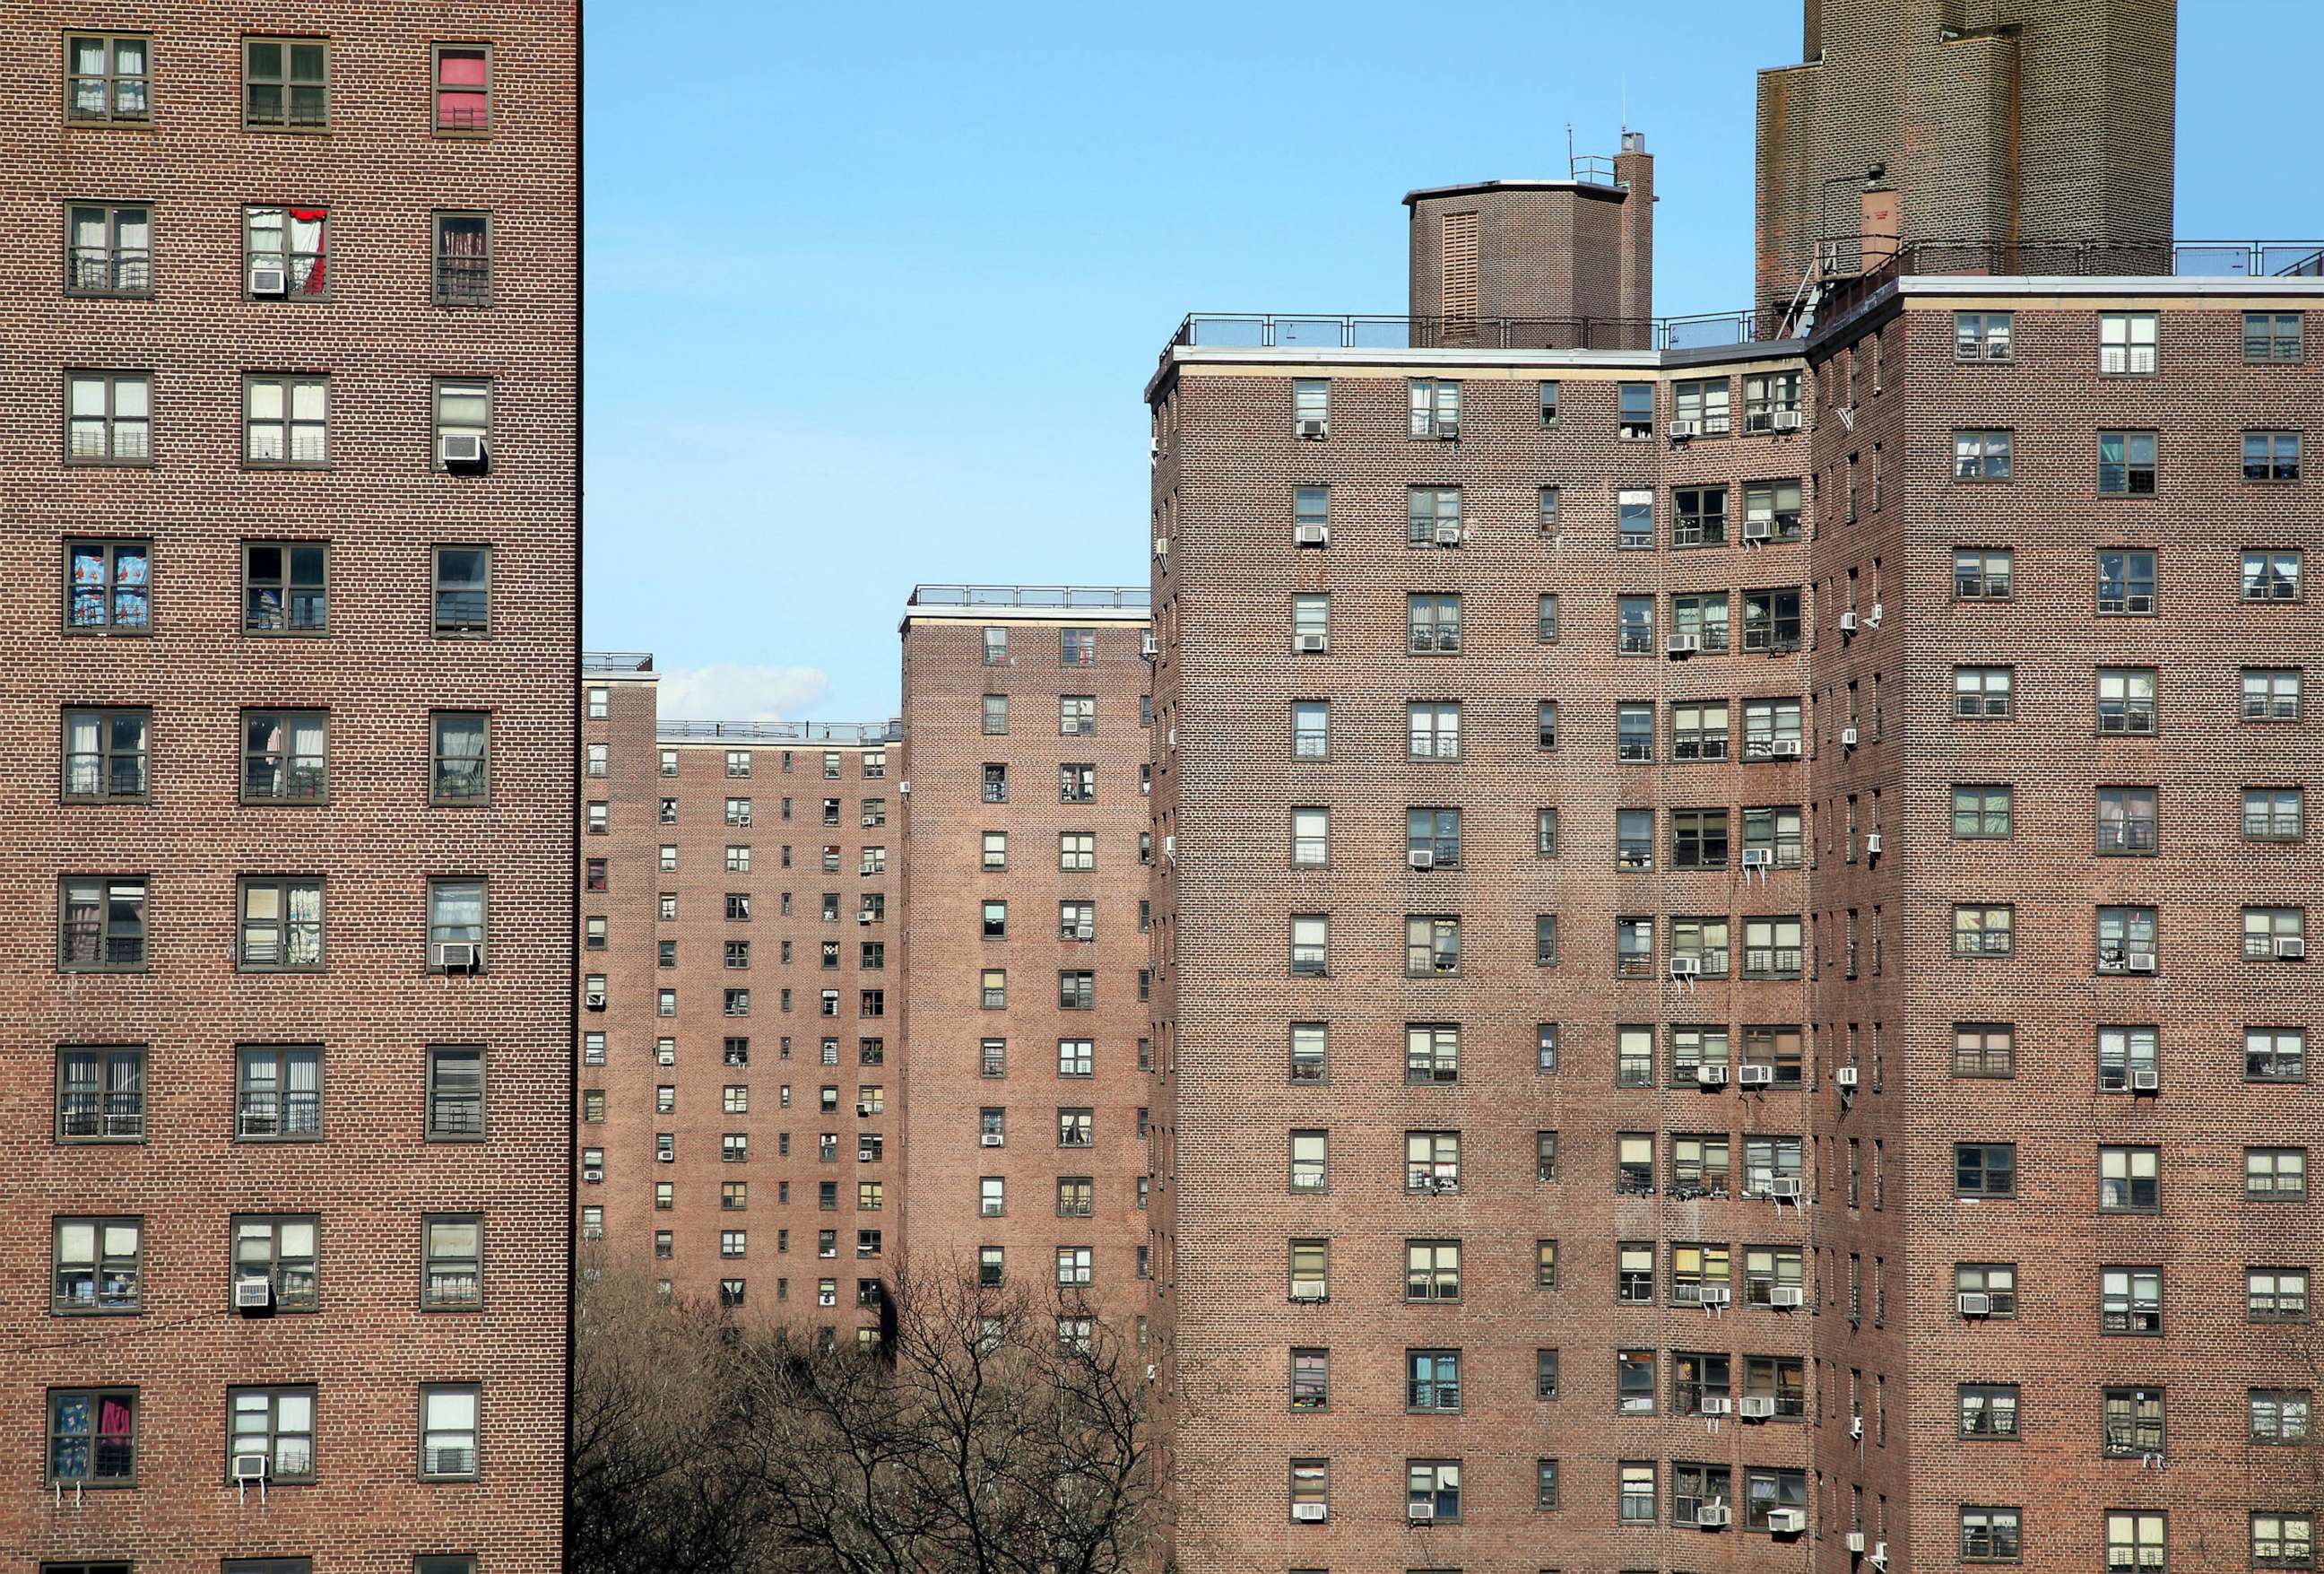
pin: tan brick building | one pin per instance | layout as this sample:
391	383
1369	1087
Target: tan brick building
293	531
741	992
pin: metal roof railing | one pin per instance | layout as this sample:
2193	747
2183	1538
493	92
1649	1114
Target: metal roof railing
617	661
783	732
1047	597
1361	332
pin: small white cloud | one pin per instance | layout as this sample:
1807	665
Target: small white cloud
740	691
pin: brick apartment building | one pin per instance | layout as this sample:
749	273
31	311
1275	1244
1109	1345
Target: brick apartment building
291	440
1729	982
1025	847
741	993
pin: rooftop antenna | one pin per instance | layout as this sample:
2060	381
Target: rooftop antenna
1626	101
1569	149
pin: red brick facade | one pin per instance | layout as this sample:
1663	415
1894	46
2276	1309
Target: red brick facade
741	1106
264	1210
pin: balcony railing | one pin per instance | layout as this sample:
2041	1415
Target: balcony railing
1355	331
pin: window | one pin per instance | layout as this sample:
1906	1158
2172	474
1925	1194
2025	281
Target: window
93	1437
1981	456
281	1250
108	249
286	84
1311	406
2274	931
1309	1050
1984	1169
2279	1415
2130	1301
1432	624
1310	509
105	755
1635	1487
996	715
462	87
1432	730
279	1092
2126	700
2271	694
1702	403
98	1265
2272	336
455	1092
2275	1054
1311	722
1545	1265
1311	838
1981	575
2122	1051
1076	715
2131	1421
1990	1535
464	423
1076	850
1432	1380
452	1265
1432	947
1076	990
1432	517
2271	456
447	1432
2126	464
1981	812
101	924
2126	820
1765	393
1076	1197
1982	335
286	421
457	917
1548	516
101	1093
1997	1281
2282	1541
283	252
459	758
2272	576
1311	1488
1432	1270
106	78
2276	1294
109	418
1637	410
1435	407
2275	1174
464	259
2136	1540
107	587
2275	814
2127	343
1634	516
1433	1484
281	925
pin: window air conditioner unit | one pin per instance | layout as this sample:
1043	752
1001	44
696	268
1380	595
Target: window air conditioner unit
1712	1295
1758	857
863	917
1856	1540
2146	1079
1787	421
252	1292
1312	535
593	1173
1311	644
864	1112
1686	967
1760	1408
1872	618
1758	529
249	1468
1872	843
1716	1405
1755	1076
1448	535
1448	430
990	1140
460	448
1146	647
2291	947
1786	1521
666	1155
1085	931
1856	1426
1786	1295
269	281
1315	430
1420	1512
457	956
1973	1303
2139	961
1878	1556
1420	858
1782	1186
1161	548
1683	429
1713	1516
1684	645
1307	1293
1848	737
1848	621
1711	1075
1153	1370
1784	748
596	1000
1845	1077
1310	1512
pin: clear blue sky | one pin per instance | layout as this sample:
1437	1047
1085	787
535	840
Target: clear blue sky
872	289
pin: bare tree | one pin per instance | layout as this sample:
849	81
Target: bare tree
994	1432
659	1470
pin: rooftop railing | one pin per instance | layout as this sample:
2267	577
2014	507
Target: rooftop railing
616	661
1049	597
1854	267
784	732
1354	331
